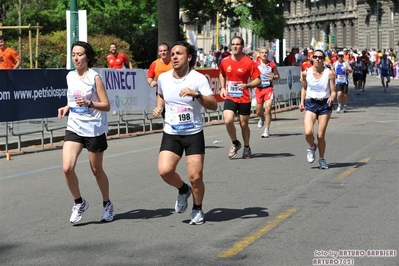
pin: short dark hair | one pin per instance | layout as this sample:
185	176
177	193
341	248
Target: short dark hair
190	50
88	51
2	37
238	37
112	43
164	44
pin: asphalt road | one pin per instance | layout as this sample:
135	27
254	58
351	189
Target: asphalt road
273	209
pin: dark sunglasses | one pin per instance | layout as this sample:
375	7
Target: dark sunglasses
320	57
341	55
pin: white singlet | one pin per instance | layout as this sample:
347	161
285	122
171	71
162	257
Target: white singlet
182	114
318	88
84	121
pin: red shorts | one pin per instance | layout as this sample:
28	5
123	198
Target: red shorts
263	95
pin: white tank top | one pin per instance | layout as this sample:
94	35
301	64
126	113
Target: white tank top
84	121
318	88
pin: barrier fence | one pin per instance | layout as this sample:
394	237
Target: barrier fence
29	100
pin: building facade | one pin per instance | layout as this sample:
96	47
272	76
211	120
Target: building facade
356	24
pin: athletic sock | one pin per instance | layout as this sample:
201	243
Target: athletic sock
236	142
197	207
184	189
79	200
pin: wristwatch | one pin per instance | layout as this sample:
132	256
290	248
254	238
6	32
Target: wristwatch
199	94
90	104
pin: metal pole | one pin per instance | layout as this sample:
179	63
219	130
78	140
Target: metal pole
74	24
378	25
314	21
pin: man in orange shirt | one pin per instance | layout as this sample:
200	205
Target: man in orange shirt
9	59
117	60
162	64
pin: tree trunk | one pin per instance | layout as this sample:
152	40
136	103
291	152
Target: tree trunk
168	21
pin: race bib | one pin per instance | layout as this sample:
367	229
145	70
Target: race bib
71	99
181	117
233	89
341	78
265	81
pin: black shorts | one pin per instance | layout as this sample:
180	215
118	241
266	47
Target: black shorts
342	87
237	108
319	107
357	77
94	144
365	74
192	144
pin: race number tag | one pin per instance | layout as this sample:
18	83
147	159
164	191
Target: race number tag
72	95
233	89
181	117
341	78
265	81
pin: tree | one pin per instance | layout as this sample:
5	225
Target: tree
168	21
264	17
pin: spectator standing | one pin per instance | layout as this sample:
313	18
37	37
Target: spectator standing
87	126
9	58
182	93
234	73
117	60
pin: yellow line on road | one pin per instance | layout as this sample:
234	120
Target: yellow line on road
248	240
393	142
352	169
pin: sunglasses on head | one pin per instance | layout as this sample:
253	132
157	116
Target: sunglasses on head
320	57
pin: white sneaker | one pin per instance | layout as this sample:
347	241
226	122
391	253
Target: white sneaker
265	134
345	109
311	154
323	164
181	201
197	217
77	211
261	123
108	212
339	109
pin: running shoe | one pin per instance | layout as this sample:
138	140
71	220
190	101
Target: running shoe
358	92
339	109
77	211
363	89
181	201
385	89
345	109
261	123
234	149
108	212
197	217
246	154
323	164
265	134
311	153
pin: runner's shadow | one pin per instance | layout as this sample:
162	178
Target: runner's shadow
139	214
224	214
274	155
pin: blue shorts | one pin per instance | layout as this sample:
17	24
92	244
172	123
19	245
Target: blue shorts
319	107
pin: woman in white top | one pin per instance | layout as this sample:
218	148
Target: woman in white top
317	96
87	126
182	92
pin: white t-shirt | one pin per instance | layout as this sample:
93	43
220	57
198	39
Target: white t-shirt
84	121
372	56
182	114
318	88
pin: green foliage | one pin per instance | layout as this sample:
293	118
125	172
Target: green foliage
263	17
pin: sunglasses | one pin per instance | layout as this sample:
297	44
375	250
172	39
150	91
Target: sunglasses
341	55
320	57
